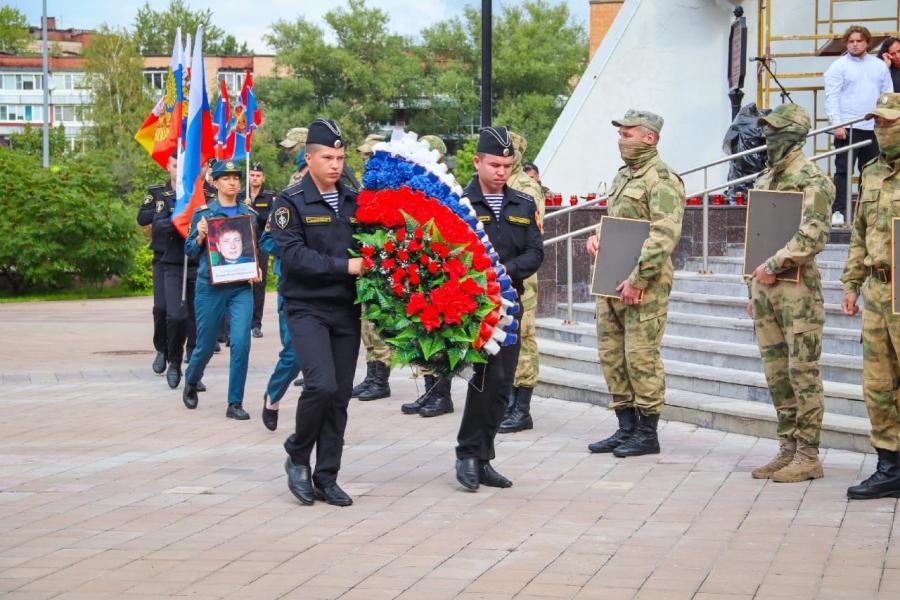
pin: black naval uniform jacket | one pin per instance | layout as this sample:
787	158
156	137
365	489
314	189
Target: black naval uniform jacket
262	204
515	236
158	198
313	243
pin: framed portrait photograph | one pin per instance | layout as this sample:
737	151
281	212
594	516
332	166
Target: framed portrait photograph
231	249
620	242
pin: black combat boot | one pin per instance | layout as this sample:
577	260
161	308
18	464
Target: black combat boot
189	395
363	385
884	482
627	420
379	387
520	419
510	406
411	408
440	402
643	441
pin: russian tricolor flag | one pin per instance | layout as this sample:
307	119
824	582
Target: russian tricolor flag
198	144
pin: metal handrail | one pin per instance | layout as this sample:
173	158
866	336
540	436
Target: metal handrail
830	153
568	237
569	209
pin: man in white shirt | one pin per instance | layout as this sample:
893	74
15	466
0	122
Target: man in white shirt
853	84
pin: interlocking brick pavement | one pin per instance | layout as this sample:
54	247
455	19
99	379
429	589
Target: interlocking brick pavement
110	488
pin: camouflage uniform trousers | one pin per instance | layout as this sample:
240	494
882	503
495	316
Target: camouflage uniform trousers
529	365
630	357
789	319
376	350
881	366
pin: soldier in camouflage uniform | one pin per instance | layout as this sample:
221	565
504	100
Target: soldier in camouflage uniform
378	354
436	399
869	262
518	411
630	328
789	316
295	143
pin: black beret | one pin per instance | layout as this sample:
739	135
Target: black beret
325	132
496	141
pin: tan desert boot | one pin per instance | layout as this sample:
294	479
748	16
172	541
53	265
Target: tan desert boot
805	466
784	457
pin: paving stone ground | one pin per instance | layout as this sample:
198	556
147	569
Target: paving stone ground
110	488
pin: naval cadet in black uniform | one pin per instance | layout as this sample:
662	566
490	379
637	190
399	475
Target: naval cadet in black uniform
261	201
312	223
153	204
510	221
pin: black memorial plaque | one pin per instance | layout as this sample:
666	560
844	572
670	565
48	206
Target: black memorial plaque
620	242
773	218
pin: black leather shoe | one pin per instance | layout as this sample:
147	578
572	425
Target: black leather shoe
378	387
363	385
300	482
884	482
643	441
236	411
333	494
256	332
411	408
217	348
173	375
490	477
298	382
269	416
201	387
189	395
520	418
627	420
159	363
467	473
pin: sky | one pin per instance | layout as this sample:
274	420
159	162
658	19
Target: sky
408	17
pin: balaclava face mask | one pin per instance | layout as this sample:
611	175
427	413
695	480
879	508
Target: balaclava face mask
781	142
636	153
888	137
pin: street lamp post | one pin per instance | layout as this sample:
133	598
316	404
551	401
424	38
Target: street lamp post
46	85
486	63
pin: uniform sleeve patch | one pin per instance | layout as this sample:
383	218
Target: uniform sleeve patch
524	221
160	206
316	220
148	199
281	217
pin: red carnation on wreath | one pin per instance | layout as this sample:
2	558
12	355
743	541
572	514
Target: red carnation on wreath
429	289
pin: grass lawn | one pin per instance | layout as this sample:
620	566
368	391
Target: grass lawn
85	293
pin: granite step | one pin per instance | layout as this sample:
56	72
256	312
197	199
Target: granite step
716	412
836	340
734	265
733	285
714	306
729	382
832	252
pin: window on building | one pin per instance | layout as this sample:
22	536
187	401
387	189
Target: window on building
67	81
3	113
155	80
234	81
69	113
22	82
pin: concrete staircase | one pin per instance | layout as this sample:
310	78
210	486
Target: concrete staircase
714	375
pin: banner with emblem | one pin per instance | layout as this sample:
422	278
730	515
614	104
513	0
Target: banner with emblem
160	131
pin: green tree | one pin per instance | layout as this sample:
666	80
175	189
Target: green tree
14	35
31	141
362	81
63	224
154	30
113	74
538	53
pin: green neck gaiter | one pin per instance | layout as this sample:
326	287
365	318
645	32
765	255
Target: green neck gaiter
781	142
636	153
888	137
